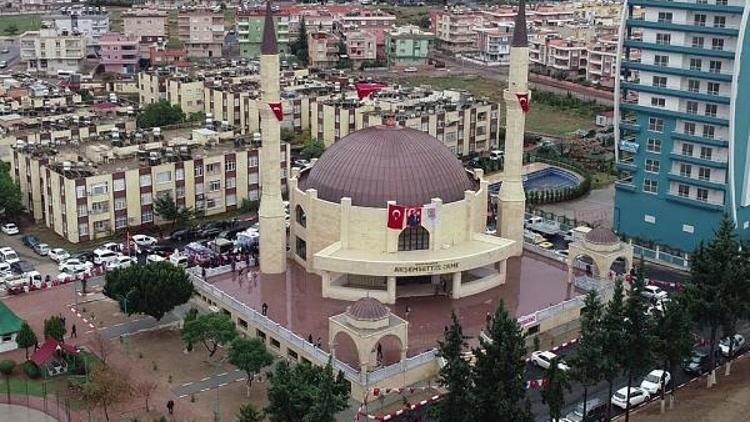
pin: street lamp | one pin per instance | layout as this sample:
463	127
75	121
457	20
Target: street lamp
125	309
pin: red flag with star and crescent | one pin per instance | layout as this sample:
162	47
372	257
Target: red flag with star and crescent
396	216
277	110
523	100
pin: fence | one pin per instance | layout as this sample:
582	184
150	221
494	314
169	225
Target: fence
35	395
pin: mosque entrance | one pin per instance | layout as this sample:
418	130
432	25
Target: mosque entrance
424	285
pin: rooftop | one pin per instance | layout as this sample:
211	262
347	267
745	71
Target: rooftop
9	322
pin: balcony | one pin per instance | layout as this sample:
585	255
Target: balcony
637	65
673	114
672	175
695	202
626	184
687	5
627	164
679	49
718	99
639	23
715	163
700	139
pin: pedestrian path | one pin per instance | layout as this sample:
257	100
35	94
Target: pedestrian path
209	383
15	413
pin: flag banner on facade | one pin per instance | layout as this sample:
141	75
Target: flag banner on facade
430	215
365	89
523	100
396	216
277	110
414	217
536	384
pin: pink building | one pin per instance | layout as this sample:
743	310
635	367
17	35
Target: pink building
361	46
322	49
119	53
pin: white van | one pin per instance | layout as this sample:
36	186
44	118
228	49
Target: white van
496	155
179	260
104	256
7	254
154	258
577	233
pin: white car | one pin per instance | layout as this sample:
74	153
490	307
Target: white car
738	342
637	396
10	229
74	265
58	254
654	292
144	240
652	383
5	267
73	274
543	359
122	261
110	246
7	254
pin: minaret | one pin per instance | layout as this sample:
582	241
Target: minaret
512	199
271	213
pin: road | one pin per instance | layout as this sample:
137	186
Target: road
209	383
12	56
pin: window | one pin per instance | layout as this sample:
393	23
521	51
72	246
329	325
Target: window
213	168
689	127
696	64
252	179
664	39
702	195
717	44
145	180
704	173
706	153
80	191
147	217
665	17
99	189
120	204
687	228
214	185
683	191
211	203
146	198
699	20
179	174
300	248
649	218
658	102
118	185
121	222
100	207
231	182
231	165
720	21
714	66
101	226
692	108
83	210
659	81
199	188
198	171
231	199
654	145
655	124
686	170
652	166
83	230
694	85
300	216
698	42
252	161
253	195
713	88
164	177
661	60
687	149
711	110
709	131
650	186
180	191
164	193
413	239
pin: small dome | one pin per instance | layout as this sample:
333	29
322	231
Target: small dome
602	236
368	309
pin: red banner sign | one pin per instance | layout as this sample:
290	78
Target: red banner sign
276	108
365	89
523	100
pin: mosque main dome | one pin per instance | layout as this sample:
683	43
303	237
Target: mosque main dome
388	163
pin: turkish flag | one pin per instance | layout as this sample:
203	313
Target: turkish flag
523	100
365	89
276	108
396	216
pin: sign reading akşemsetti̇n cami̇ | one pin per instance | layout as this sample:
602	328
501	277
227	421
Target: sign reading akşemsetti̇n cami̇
428	267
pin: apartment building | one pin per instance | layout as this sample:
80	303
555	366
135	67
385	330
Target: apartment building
90	21
454	30
464	125
552	16
119	53
408	46
50	50
322	49
209	173
601	61
493	44
681	123
361	46
201	30
559	57
250	23
182	90
144	22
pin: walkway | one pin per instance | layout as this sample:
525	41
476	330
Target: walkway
209	383
16	413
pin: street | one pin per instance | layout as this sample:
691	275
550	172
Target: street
12	56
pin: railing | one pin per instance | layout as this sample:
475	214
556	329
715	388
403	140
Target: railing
587	283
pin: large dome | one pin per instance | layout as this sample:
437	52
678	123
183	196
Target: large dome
388	163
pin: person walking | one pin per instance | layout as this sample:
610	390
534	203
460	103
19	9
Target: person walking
170	406
408	311
73	332
264	309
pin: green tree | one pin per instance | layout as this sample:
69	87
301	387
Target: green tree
26	338
166	207
174	44
612	340
211	330
140	289
455	376
553	394
299	46
287	134
6	368
198	116
160	114
714	266
11	30
86	96
674	341
312	149
55	328
249	355
106	387
248	413
304	392
499	390
11	198
344	61
586	365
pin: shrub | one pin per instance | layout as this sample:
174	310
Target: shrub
7	366
31	370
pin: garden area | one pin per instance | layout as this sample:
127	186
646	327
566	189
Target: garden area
18	24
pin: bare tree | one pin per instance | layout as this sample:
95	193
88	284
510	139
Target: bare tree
106	387
102	347
145	389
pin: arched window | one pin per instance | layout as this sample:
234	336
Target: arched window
300	216
414	239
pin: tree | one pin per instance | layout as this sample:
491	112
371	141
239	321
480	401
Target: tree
6	368
144	389
674	342
499	390
586	365
299	46
166	207
105	388
11	30
455	376
26	338
198	116
612	340
101	347
11	198
312	149
55	328
344	61
160	114
86	96
713	268
212	330
140	289
249	355
304	392
553	394
248	413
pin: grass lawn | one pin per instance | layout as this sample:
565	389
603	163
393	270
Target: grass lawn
406	15
22	22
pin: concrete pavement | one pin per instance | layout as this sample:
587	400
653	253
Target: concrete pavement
209	383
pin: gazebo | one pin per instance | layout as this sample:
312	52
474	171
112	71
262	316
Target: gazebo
603	247
50	357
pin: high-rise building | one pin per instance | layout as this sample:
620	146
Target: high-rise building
681	127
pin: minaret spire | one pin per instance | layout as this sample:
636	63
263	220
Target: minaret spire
512	198
271	212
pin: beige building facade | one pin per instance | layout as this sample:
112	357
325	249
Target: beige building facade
145	23
201	31
51	51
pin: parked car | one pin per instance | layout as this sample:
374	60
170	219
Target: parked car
7	254
4	267
497	155
111	246
654	293
542	359
41	249
161	250
698	362
73	274
231	233
144	240
736	341
637	396
596	411
30	240
209	232
652	382
75	264
83	256
21	267
10	229
301	163
182	234
104	256
121	261
58	254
